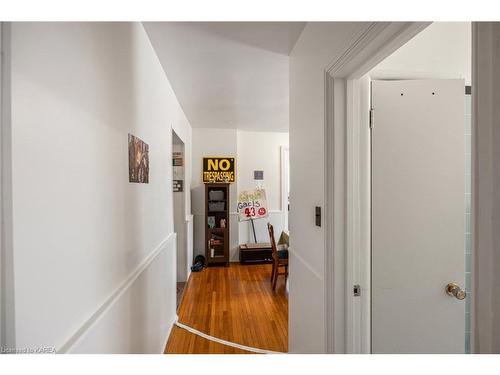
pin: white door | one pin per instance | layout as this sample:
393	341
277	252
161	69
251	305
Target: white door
418	187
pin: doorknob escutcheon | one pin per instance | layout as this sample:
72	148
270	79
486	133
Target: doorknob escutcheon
453	290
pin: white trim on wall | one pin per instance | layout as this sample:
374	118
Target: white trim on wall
358	212
91	321
2	303
7	306
481	234
284	182
485	202
189	243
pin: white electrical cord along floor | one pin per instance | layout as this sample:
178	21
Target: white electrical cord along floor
224	342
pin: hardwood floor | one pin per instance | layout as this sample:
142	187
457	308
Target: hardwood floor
183	342
180	290
233	303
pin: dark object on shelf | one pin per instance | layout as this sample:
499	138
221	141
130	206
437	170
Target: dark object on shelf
211	221
199	263
178	186
216	206
216	214
216	195
256	253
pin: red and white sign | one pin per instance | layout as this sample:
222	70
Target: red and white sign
252	204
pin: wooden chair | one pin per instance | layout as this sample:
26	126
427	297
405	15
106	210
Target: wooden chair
280	258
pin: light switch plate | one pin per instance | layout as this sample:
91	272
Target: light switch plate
318	216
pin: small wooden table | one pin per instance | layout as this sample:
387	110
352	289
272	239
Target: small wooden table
256	252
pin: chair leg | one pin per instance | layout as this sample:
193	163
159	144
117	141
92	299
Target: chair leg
276	272
272	272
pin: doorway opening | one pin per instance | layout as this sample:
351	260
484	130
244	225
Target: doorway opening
178	175
243	287
418	190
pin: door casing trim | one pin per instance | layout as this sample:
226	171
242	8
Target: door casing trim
345	162
7	307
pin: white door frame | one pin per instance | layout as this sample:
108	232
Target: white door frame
285	172
485	199
346	164
2	294
188	219
7	308
347	189
181	228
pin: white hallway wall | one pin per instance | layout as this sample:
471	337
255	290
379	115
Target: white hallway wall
319	44
262	151
94	254
253	151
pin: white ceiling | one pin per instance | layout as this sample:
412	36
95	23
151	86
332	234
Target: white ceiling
442	50
228	74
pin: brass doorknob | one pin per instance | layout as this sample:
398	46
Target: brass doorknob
453	290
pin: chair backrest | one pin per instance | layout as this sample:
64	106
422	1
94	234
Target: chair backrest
270	229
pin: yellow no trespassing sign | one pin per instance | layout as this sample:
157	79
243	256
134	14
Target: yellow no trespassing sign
220	169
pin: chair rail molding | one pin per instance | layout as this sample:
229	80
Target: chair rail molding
107	304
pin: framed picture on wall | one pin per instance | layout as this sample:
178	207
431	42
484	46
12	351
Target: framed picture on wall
138	160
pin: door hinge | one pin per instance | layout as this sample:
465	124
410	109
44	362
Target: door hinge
371	118
356	290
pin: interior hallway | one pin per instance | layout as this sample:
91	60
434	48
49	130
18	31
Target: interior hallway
236	304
